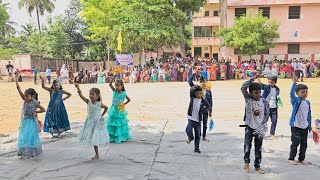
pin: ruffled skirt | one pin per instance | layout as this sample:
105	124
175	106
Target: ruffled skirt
117	125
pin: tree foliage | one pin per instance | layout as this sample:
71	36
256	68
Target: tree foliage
88	27
145	24
40	6
188	7
6	26
57	40
73	26
4	17
250	34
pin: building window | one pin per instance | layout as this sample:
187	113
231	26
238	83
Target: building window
265	11
293	48
215	13
203	31
240	11
197	52
294	12
206	13
236	51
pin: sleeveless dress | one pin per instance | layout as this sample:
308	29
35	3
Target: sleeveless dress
56	120
93	131
102	78
29	144
117	121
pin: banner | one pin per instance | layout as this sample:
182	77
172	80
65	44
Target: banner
124	59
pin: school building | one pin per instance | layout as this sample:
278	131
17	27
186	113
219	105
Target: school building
299	26
205	24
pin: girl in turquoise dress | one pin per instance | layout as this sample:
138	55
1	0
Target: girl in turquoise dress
29	144
56	120
102	78
93	131
117	122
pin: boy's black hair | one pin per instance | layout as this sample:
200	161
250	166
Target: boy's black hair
197	88
97	92
273	78
194	89
254	87
300	87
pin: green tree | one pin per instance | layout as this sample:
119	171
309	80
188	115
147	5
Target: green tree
7	53
6	26
4	17
57	40
189	7
52	42
27	30
148	23
145	24
73	26
36	44
250	34
98	16
40	6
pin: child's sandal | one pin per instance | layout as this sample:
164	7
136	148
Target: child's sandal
293	162
260	171
96	157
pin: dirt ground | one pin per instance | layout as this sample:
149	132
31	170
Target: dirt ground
150	101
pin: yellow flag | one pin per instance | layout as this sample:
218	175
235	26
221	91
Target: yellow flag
119	42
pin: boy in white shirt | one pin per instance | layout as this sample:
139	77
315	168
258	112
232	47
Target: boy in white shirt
300	121
48	74
271	93
197	107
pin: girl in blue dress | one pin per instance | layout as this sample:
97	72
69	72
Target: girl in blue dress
117	121
93	131
56	119
29	144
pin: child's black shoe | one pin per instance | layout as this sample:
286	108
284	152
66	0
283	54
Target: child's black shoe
197	151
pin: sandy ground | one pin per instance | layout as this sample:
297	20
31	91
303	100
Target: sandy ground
150	101
158	149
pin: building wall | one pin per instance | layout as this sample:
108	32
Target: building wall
199	19
309	15
268	2
306	29
206	49
311	48
279	49
27	61
207	7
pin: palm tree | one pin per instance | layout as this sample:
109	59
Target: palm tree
41	6
7	29
27	30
